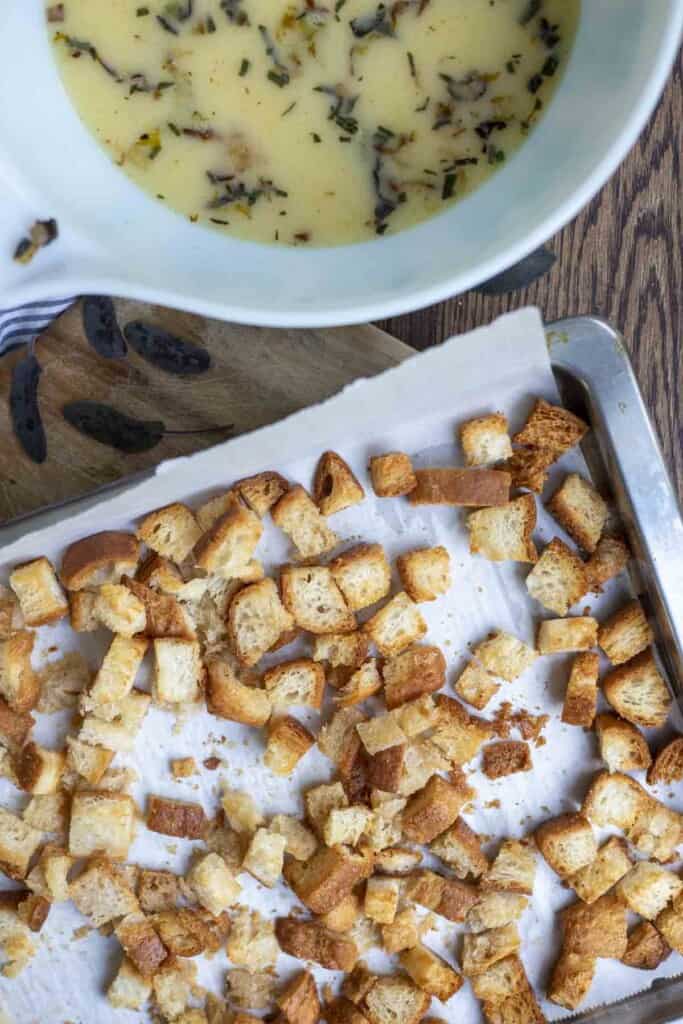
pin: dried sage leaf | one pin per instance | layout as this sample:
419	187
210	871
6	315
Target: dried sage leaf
166	351
101	327
107	425
24	408
521	274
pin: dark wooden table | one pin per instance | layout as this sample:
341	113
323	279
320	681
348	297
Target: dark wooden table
622	259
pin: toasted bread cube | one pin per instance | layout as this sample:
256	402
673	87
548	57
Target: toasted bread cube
416	717
385	769
528	467
495	910
288	741
469	488
558	579
578	507
346	825
208	514
309	940
102	894
172	985
339	734
505	533
117	673
637	691
480	951
475	686
141	944
610	557
363	575
567	844
656	831
362	683
101	822
265	856
227	548
10	613
648	888
48	812
175	818
301	682
165	616
19	684
39	770
299	1002
341	650
571	979
344	916
396	626
183	767
214	884
96	732
41	598
506	758
614	799
315	601
485	439
503	980
622	747
178	670
252	942
414	672
244	988
262	491
320	801
670	924
300	841
425	573
574	634
458	734
598	929
460	848
257	620
171	531
18	843
504	655
189	932
228	697
401	933
513	869
394	999
433	809
88	761
82	611
667	766
431	973
101	558
62	682
299	517
581	697
379	733
129	990
625	634
328	877
158	890
335	487
381	899
392	474
595	879
646	948
550	426
117	608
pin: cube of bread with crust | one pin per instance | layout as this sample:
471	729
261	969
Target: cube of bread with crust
129	990
670	925
433	809
579	509
648	888
448	897
178	670
595	879
158	890
339	732
341	650
175	818
571	979
298	1002
614	799
468	488
62	682
385	769
381	899
262	490
504	655
88	761
460	848
328	877
417	717
301	681
315	601
646	948
458	734
622	747
558	580
637	691
213	883
102	894
505	533
10	613
40	595
401	933
39	770
362	574
265	856
160	574
567	843
528	467
189	932
228	697
227	548
550	426
556	636
164	614
82	611
394	999
252	942
513	869
320	801
656	831
346	825
431	973
172	986
344	916
101	822
506	758
300	841
503	980
18	843
379	733
396	626
425	573
483	949
309	940
141	944
626	633
117	608
414	672
288	741
581	696
19	684
598	929
485	439
495	910
335	487
117	673
299	517
362	683
667	766
101	558
256	620
171	531
610	557
48	812
244	988
392	474
475	686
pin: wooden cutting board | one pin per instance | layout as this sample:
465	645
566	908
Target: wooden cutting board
258	376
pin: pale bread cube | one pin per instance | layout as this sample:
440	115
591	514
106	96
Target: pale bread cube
255	990
381	899
101	822
102	894
626	633
338	734
670	925
480	951
416	717
363	575
242	813
288	741
40	595
475	686
656	831
227	548
667	766
401	933
129	990
558	580
610	557
379	733
346	825
485	440
425	573
614	799
622	747
392	474
648	889
495	910
39	770
458	734
567	844
252	943
299	517
90	762
172	985
394	999
18	843
298	682
171	531
256	621
335	487
341	650
211	511
48	812
363	683
117	608
313	598
502	981
19	684
504	534
396	626
555	636
578	507
513	869
504	655
214	884
301	843
117	673
62	682
178	670
595	879
581	697
637	691
320	801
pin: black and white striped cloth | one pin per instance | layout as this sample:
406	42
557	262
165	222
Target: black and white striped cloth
24	323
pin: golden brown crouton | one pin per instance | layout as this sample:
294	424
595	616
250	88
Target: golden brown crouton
610	557
256	620
396	626
82	611
528	467
402	933
344	916
361	684
667	766
385	768
101	822
578	507
637	691
228	697
288	741
48	812
381	899
495	910
301	682
448	897
157	890
19	684
596	930
87	761
120	610
595	879
480	951
380	733
183	767
558	579
321	800
141	944
431	973
567	843
414	672
315	601
101	558
579	633
648	888
392	474
41	598
172	986
178	670
502	980
394	999
460	848
335	487
425	573
101	894
433	809
485	439
626	633
328	877
505	533
301	843
299	517
670	925
129	990
309	940
550	426
614	799
571	979
343	1011
227	548
513	869
397	860
298	1002
62	682
15	726
18	843
39	770
475	686
175	818
171	531
504	655
581	697
341	650
622	747
458	734
189	932
262	491
213	884
117	673
646	948
469	488
363	575
505	758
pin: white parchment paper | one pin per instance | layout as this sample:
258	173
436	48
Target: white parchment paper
415	408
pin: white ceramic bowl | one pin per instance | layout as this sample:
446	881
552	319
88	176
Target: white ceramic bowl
115	240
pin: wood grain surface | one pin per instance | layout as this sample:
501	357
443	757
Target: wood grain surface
622	259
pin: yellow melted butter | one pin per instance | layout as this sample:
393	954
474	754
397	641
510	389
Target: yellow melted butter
263	137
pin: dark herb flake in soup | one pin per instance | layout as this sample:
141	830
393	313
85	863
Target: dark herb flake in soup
312	121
